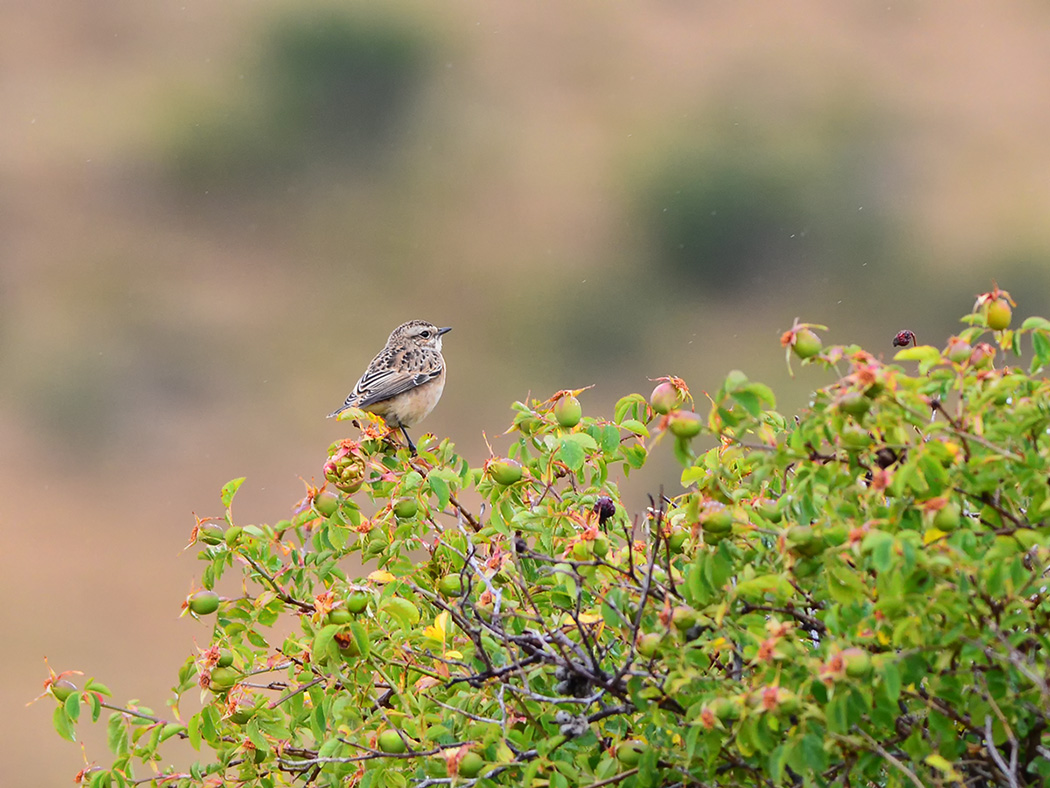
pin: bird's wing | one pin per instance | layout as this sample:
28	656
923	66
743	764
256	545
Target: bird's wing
379	384
388	383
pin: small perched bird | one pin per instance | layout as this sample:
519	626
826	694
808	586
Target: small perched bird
404	382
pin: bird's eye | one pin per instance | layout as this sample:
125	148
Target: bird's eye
425	334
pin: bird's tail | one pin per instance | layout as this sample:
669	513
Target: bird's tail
336	412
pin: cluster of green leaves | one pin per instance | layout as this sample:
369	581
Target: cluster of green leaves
857	596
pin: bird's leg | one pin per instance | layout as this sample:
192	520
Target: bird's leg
411	445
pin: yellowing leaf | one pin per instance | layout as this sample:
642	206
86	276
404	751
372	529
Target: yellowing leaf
439	629
932	535
943	765
381	576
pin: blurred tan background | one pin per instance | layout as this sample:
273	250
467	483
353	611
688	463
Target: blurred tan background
212	215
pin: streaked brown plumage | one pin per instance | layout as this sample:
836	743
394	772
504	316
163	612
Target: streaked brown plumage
404	382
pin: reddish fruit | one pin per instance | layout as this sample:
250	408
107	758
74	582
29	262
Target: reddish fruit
665	398
567	411
684	424
505	472
998	314
204	603
982	356
391	741
346	470
806	344
958	350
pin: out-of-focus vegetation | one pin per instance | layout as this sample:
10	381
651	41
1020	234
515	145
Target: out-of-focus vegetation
211	215
327	90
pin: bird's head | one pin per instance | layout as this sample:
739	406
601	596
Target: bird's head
419	333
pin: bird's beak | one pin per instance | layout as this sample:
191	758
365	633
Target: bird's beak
444	330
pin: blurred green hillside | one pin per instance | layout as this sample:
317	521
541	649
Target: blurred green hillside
212	215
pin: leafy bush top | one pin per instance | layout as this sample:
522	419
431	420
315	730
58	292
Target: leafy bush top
856	596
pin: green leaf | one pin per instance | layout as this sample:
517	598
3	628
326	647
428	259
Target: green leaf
229	490
757	587
172	729
361	637
193	731
926	355
632	402
571	452
99	687
891	680
439	487
256	735
844	586
1035	323
116	734
635	426
72	705
62	724
323	639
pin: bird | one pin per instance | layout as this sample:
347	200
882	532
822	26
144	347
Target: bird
404	381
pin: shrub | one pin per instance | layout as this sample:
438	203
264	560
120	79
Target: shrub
856	596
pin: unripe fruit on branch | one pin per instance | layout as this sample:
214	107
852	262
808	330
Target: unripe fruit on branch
504	471
471	765
390	741
405	508
630	752
998	314
806	344
326	504
567	411
222	679
357	601
665	398
948	517
62	689
204	603
684	424
857	662
450	585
